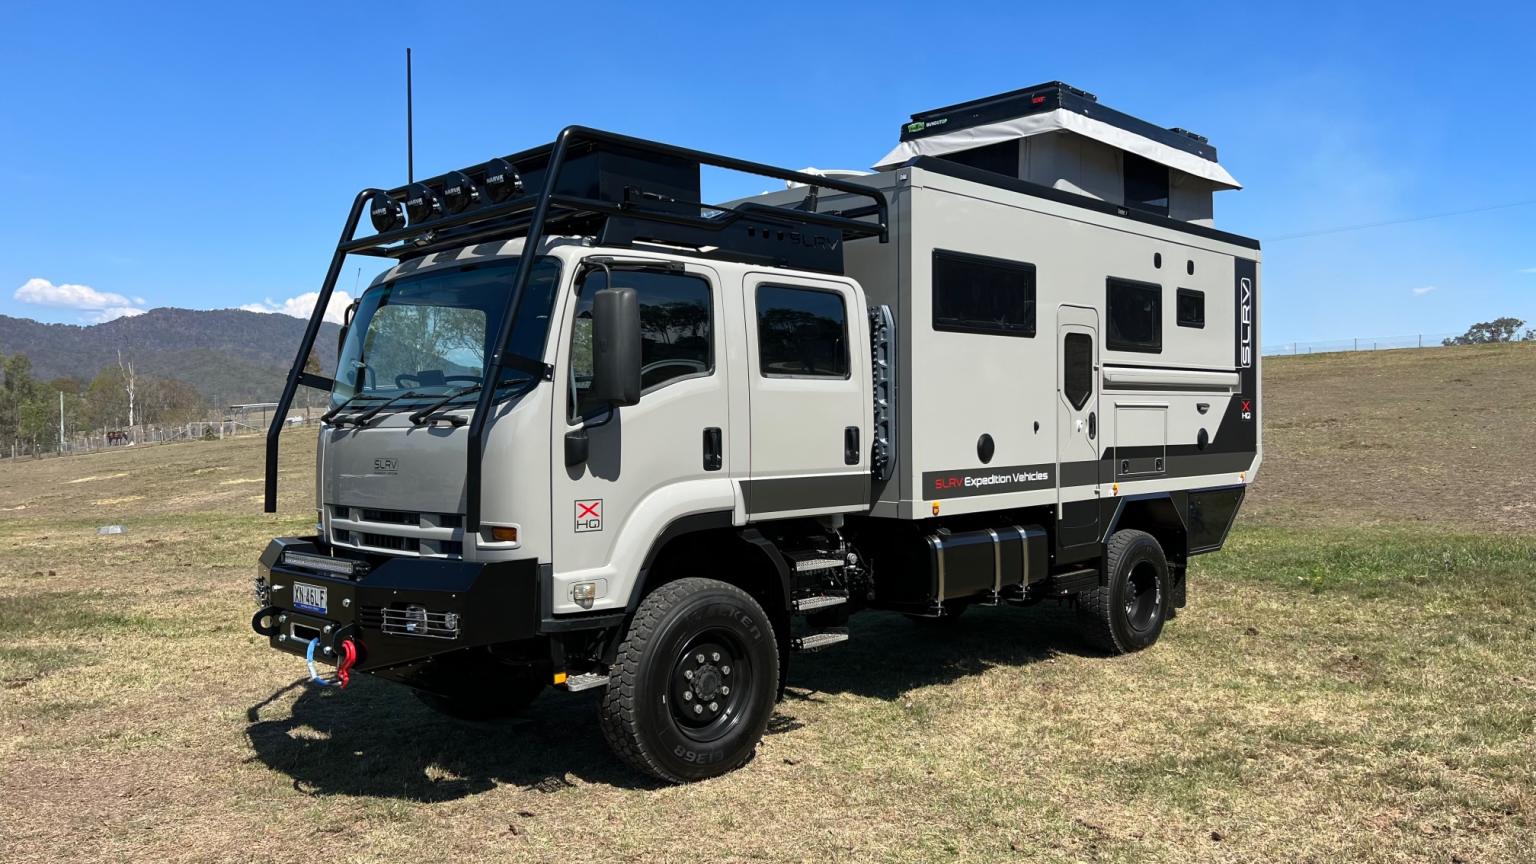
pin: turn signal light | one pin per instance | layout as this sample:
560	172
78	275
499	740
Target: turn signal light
504	533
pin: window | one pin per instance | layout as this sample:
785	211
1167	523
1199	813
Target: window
676	329
801	332
1191	308
1077	368
972	294
1002	158
1134	311
1146	185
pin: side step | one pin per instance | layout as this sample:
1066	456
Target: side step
585	681
818	601
818	641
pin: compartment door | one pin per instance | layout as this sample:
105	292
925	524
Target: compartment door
1077	426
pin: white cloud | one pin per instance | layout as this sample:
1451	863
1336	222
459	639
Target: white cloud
1420	292
100	305
1528	269
302	305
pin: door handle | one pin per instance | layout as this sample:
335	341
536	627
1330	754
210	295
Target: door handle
851	445
714	453
1093	425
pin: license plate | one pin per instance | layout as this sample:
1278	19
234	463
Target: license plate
310	598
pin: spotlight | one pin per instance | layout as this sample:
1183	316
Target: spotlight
459	192
421	203
386	213
501	180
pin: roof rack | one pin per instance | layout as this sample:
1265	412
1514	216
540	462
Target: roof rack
619	190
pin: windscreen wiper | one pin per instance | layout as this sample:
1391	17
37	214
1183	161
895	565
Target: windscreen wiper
362	419
417	417
331	414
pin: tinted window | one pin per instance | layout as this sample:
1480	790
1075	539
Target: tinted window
1191	308
801	331
676	339
1134	311
972	294
1146	185
1077	368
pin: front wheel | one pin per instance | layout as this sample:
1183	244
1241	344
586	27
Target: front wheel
1127	612
693	685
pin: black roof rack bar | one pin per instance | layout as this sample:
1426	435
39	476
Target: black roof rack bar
543	208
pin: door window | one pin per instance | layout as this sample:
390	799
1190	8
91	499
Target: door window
1077	368
676	330
801	333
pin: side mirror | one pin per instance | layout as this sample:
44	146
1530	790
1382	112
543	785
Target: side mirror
615	347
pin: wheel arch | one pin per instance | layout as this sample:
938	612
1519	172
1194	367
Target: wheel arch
1160	514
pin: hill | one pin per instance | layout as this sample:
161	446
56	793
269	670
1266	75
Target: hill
227	354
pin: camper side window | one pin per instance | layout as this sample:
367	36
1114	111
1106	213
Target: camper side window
1077	368
1146	185
1191	308
973	294
1134	312
801	333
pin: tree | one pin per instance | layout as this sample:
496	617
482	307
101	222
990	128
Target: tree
130	382
106	403
1488	332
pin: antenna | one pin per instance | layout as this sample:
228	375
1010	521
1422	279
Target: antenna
410	145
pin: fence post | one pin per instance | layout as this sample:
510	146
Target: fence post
1357	343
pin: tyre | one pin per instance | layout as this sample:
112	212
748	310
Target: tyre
693	685
486	703
1127	613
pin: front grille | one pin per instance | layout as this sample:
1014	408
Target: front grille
392	517
389	541
419	621
450	520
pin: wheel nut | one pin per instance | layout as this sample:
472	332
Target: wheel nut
687	695
688	673
725	691
701	658
715	656
698	709
725	670
714	706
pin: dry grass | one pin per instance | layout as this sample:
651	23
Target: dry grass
1332	693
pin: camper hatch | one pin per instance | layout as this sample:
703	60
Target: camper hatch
591	432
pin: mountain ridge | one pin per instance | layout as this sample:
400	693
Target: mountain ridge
230	355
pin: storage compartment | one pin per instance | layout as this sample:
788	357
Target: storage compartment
1210	517
979	563
1141	441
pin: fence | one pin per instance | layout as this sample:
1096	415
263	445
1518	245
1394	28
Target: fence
103	439
1359	343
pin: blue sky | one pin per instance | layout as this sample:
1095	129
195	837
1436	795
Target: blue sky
204	155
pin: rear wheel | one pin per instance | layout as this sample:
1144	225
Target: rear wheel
692	687
1127	612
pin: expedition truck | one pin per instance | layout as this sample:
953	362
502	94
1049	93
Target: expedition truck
591	432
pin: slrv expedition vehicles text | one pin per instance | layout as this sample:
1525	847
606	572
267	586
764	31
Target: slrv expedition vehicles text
590	432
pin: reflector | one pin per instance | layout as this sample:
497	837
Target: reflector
501	180
421	203
459	192
386	213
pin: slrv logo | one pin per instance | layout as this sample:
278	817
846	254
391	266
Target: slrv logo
386	466
975	481
1245	322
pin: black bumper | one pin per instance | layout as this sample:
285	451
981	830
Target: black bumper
397	611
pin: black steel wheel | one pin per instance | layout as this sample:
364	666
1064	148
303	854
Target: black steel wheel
693	685
1127	612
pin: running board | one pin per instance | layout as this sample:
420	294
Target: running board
817	641
819	601
585	681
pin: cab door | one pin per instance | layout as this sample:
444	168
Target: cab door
645	465
1077	427
807	385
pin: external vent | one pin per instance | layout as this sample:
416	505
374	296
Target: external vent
450	547
341	535
450	520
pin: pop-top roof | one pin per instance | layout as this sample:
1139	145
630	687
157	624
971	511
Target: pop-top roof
1052	107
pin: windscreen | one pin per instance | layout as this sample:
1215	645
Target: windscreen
430	333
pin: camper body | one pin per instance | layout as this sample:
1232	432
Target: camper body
720	430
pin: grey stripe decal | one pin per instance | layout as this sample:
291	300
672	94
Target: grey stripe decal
806	493
968	482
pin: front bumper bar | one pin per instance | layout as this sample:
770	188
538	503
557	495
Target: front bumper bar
398	611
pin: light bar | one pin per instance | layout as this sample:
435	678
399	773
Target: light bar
459	192
321	563
386	213
421	203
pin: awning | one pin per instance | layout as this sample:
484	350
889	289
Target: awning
1054	121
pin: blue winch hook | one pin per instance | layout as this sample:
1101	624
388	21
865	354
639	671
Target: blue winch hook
314	674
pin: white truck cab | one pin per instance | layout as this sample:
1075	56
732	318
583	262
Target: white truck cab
716	431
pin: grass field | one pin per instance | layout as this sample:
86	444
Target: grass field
1353	680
